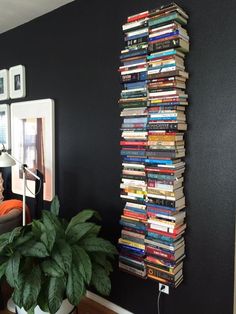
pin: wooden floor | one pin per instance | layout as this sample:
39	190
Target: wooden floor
87	306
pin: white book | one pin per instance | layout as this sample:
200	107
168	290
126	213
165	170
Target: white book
134	71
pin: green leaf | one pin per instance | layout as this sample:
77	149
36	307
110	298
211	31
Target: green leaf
31	311
38	228
62	254
17	295
12	269
34	249
3	267
83	262
75	286
101	259
98	245
56	292
83	216
48	238
94	231
4	240
52	222
55	206
100	280
14	233
31	289
50	268
43	295
75	233
23	239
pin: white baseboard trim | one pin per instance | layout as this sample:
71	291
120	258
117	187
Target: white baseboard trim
106	303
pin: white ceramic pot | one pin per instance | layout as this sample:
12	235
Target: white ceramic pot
65	308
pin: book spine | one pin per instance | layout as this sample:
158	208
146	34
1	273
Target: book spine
154	251
157	273
136	41
132	269
168	44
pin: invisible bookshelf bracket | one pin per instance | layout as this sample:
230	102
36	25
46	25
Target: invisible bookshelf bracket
153	101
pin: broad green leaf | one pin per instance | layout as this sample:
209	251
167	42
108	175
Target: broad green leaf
18	293
31	311
56	291
94	231
55	206
48	238
4	240
83	262
75	285
50	268
3	267
98	245
75	233
12	269
23	239
34	249
38	228
83	216
31	289
14	233
52	222
42	299
101	259
62	254
100	280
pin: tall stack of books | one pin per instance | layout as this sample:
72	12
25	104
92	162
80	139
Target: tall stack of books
153	102
168	43
133	103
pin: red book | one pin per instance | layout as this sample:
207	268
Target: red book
137	17
134	215
138	143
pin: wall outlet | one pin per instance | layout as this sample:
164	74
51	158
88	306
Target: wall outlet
163	288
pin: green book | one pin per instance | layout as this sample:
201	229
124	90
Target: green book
162	19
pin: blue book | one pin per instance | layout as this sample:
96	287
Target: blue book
134	85
159	161
135	120
132	248
144	34
136	210
133	62
164	36
134	53
160	177
161	118
133	152
161	237
160	206
162	54
130	159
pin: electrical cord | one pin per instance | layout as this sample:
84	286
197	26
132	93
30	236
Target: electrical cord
40	183
158	300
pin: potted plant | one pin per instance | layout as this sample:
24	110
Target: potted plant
50	262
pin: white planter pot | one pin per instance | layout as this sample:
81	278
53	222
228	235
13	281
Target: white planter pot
65	308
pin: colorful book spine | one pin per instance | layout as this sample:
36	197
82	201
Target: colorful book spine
153	102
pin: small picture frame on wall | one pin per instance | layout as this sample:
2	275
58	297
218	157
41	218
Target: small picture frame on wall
4	85
5	126
17	82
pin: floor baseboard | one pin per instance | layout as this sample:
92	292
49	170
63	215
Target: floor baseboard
106	303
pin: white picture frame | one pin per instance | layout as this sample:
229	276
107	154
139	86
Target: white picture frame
33	144
4	84
5	129
17	82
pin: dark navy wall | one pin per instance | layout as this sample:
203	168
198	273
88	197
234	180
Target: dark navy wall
72	56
